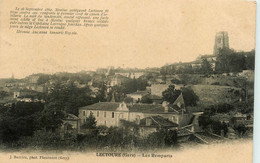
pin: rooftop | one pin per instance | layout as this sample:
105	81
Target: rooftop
158	121
143	108
71	117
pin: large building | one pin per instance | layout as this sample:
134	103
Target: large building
221	42
111	113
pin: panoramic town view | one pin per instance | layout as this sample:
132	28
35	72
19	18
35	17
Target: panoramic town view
209	100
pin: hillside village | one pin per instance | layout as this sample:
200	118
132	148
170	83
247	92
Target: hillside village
204	101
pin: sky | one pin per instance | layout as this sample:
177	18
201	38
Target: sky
141	33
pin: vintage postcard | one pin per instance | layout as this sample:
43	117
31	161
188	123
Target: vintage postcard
127	81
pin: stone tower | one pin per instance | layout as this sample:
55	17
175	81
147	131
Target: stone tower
221	41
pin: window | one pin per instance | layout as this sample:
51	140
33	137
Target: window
105	114
113	114
84	112
97	113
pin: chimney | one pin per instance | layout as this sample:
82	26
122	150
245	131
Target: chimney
165	106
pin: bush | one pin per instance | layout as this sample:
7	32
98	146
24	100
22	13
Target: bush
43	139
90	122
162	138
241	129
215	83
146	99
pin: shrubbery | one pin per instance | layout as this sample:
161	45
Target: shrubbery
121	138
214	126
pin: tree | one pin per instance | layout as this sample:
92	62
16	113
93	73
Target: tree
102	96
128	100
3	94
189	96
163	71
43	78
162	138
250	60
185	79
90	122
241	129
20	119
222	60
206	67
225	128
68	98
54	111
77	97
63	99
146	99
204	121
171	94
116	93
52	118
216	127
141	84
231	61
176	81
171	137
188	69
156	139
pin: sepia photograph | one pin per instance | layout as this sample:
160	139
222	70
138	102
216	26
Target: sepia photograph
127	81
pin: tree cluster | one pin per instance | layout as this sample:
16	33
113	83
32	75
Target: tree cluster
227	61
125	137
231	61
214	126
189	96
19	119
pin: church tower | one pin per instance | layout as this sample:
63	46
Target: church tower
221	42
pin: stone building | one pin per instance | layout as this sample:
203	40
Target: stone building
111	113
221	42
151	124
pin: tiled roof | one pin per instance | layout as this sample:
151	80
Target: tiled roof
158	121
108	106
143	108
